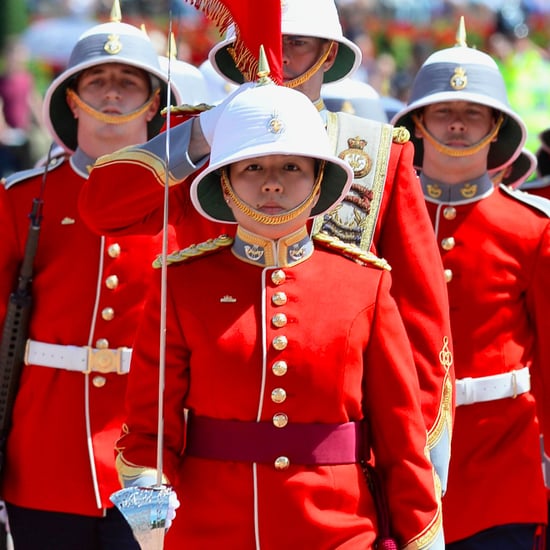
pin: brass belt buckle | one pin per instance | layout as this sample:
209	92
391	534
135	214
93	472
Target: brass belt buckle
104	360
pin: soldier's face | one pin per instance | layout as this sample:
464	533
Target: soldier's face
272	185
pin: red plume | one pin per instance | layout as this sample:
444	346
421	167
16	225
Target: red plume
251	31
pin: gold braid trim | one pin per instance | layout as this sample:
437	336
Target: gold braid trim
107	117
351	251
311	71
269	219
463	151
211	245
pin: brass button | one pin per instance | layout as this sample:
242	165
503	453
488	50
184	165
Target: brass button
279	320
102	343
114	250
280	342
108	314
278	395
448	243
448	275
278	277
99	381
281	463
279	298
449	213
280	420
279	368
111	282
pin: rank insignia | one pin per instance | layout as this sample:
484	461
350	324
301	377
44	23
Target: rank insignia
459	80
359	161
113	44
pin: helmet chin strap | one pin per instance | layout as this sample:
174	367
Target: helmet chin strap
455	151
304	77
108	117
269	219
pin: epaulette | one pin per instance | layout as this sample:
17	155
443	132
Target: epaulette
195	251
351	251
534	201
23	175
401	135
186	109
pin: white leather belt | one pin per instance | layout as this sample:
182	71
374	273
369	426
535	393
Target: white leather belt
78	358
490	388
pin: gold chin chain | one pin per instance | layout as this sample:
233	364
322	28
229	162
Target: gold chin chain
269	219
107	117
311	71
458	152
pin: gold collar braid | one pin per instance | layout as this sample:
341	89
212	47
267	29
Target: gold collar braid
458	152
311	71
269	219
107	117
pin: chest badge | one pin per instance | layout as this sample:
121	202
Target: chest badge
359	160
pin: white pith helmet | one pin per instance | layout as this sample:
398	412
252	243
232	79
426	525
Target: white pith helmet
317	18
272	120
461	73
112	42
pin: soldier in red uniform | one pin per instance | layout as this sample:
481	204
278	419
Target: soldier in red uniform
495	246
384	212
279	379
87	295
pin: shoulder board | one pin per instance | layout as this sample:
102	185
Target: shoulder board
23	175
534	201
351	251
195	251
401	134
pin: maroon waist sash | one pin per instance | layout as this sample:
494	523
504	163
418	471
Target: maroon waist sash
233	440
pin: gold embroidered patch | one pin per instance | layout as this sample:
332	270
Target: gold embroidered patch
359	160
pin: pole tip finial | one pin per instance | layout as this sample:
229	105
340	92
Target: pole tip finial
263	69
116	14
172	49
461	33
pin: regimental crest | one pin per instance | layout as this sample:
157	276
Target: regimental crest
459	80
434	191
468	190
254	252
113	44
275	125
359	160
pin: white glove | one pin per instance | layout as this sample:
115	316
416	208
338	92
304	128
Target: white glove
173	505
209	119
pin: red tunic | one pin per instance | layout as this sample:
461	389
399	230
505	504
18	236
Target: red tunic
496	253
60	450
347	357
403	236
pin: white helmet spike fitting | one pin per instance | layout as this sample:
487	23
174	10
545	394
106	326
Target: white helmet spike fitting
272	120
461	73
112	42
319	19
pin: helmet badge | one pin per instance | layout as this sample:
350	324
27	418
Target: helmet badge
459	80
275	125
113	44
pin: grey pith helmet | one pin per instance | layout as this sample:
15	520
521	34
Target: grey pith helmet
461	73
319	19
112	42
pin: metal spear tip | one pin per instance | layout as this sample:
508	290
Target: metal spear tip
263	69
116	13
461	33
